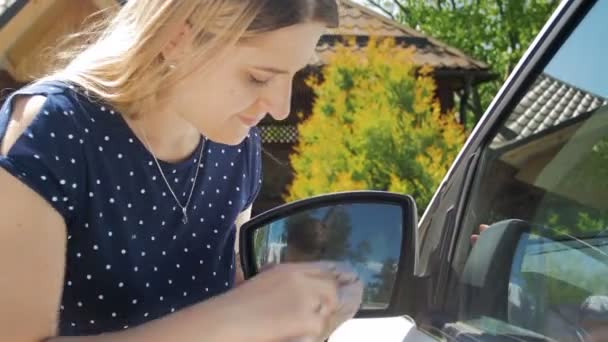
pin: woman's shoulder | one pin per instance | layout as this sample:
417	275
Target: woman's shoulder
61	92
64	96
37	106
42	138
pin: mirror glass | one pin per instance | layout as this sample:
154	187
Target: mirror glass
365	236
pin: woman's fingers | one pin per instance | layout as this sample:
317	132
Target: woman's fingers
302	299
475	237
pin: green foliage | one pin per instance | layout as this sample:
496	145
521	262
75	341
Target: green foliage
380	289
574	223
260	244
329	237
494	31
340	228
584	224
375	125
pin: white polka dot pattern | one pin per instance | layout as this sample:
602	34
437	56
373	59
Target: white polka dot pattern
130	259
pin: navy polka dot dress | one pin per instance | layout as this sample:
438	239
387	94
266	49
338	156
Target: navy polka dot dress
130	258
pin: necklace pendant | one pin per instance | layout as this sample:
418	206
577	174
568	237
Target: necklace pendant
185	216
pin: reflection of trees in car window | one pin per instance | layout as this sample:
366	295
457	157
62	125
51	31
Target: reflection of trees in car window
306	238
323	235
339	237
380	289
594	166
548	165
568	269
581	224
553	178
555	277
260	243
340	227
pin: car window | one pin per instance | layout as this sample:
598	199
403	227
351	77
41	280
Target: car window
546	166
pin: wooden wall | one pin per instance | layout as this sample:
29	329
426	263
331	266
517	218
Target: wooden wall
30	38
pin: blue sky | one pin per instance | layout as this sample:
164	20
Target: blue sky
583	59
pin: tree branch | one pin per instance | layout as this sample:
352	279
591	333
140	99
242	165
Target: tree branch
512	36
401	7
381	8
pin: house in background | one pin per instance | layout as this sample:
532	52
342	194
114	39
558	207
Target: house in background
456	75
29	27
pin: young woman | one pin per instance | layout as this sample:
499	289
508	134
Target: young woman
123	174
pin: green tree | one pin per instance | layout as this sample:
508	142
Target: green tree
495	31
380	289
340	229
569	262
260	246
339	223
375	125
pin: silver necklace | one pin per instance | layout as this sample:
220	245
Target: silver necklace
160	169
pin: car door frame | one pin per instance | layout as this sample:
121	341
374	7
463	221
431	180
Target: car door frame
440	226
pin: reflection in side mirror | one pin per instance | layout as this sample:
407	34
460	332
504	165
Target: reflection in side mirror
365	230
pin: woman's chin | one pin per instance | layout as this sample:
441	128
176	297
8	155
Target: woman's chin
228	139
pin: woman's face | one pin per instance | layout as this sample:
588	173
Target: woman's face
252	80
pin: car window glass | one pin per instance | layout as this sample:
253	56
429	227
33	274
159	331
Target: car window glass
547	167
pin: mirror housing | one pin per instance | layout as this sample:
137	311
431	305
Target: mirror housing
485	278
362	204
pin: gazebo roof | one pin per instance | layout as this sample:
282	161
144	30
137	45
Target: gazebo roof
361	23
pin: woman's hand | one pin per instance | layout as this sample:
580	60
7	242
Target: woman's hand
286	303
474	237
290	302
350	296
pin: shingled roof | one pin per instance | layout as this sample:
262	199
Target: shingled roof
358	21
549	103
361	22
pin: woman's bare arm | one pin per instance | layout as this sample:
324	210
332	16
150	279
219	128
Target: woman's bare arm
32	259
277	304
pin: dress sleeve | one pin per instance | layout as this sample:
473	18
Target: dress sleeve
254	165
48	156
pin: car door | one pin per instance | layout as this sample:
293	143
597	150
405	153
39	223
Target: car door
536	170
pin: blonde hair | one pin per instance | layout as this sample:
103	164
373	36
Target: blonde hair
120	57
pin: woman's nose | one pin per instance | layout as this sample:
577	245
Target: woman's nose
280	103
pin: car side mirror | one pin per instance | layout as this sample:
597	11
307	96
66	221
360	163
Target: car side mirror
373	232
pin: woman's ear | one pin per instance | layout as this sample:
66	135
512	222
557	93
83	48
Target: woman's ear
179	44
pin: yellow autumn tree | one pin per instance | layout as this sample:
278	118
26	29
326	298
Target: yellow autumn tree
375	124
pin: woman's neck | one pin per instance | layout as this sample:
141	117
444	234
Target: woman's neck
169	137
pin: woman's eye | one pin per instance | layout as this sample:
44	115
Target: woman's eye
258	82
